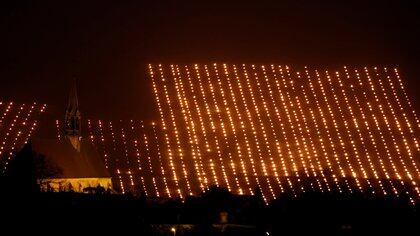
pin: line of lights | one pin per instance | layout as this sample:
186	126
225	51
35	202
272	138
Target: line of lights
300	128
165	130
215	137
90	132
336	122
146	145
102	138
202	127
234	129
402	87
202	152
218	111
139	165
312	157
228	161
378	127
6	111
251	122
9	134
127	158
370	137
407	122
263	129
58	130
160	158
138	156
390	131
7	129
336	129
356	125
191	131
15	128
284	133
292	126
176	132
387	123
112	152
317	131
245	132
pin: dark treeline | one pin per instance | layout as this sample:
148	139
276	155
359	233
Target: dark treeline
214	212
336	214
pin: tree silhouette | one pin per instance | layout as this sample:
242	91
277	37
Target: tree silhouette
28	170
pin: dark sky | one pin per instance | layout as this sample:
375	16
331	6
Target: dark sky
107	45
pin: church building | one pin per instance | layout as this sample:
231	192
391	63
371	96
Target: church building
81	167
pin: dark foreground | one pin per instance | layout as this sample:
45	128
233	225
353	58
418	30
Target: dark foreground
309	214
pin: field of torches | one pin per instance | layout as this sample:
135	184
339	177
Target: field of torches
244	127
284	130
131	153
17	124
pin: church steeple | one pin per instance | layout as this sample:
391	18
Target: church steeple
72	119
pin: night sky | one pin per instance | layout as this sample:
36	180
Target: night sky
107	45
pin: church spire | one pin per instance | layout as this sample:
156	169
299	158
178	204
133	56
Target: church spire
73	104
72	119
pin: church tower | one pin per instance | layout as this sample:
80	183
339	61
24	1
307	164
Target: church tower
72	120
